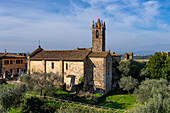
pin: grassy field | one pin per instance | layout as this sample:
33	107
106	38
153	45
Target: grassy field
118	100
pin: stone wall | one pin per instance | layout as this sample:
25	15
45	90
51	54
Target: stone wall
128	55
37	66
98	44
57	67
108	73
98	74
117	58
95	74
75	68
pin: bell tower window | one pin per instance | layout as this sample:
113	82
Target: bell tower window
97	34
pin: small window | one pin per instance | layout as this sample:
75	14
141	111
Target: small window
11	61
66	66
52	65
17	70
97	34
11	70
17	61
6	62
21	61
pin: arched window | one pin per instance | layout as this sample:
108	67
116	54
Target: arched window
52	65
97	34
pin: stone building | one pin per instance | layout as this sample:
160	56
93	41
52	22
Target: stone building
116	57
12	64
168	53
94	64
128	55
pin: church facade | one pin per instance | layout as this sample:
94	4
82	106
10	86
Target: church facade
93	64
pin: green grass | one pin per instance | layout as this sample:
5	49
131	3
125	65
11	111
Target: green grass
15	110
8	85
62	94
98	95
32	93
118	100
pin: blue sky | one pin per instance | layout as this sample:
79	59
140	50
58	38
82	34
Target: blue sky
132	25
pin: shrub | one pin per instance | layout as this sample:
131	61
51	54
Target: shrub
32	104
36	105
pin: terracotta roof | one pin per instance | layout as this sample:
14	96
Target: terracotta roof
36	51
99	54
10	55
90	49
61	54
116	55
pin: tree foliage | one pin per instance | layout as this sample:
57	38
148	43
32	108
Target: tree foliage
128	83
157	104
131	68
36	105
10	96
154	97
158	66
43	82
152	87
144	73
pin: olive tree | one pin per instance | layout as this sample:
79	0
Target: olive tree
128	83
10	96
131	68
44	83
149	88
157	104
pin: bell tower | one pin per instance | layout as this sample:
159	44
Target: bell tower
98	36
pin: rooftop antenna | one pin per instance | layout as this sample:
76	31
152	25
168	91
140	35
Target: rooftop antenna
5	50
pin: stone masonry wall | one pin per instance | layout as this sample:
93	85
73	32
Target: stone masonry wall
37	66
108	73
75	68
98	74
57	67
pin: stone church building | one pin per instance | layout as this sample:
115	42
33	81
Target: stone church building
94	64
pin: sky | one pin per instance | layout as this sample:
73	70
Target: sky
131	25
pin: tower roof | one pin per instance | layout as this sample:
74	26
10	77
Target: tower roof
98	24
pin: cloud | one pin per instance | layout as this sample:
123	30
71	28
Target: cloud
131	24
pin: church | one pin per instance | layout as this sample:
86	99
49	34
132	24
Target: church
93	64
